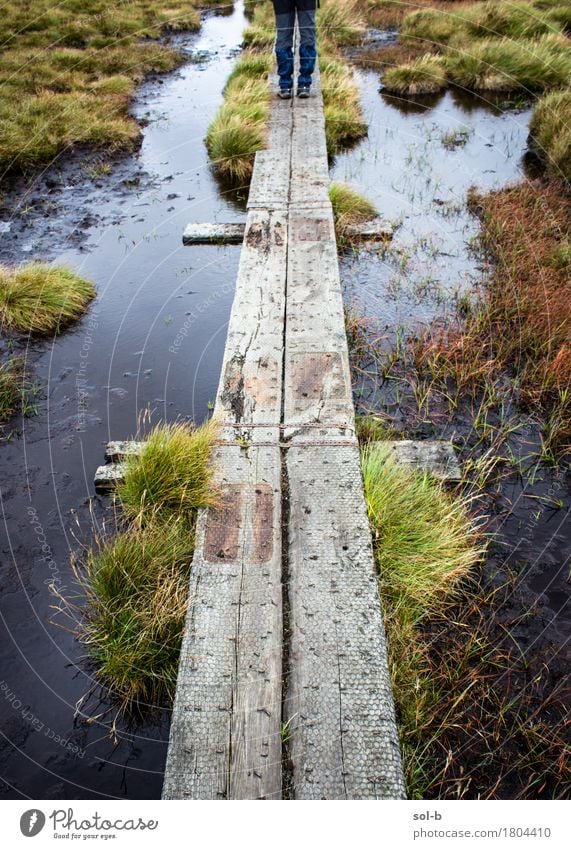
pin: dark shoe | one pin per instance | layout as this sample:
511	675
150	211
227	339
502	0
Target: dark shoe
285	93
303	91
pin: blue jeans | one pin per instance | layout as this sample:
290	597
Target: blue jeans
285	23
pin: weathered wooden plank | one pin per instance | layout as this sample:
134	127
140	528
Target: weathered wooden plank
436	456
249	393
107	477
317	385
119	449
208	234
225	740
339	706
343	740
376	230
269	188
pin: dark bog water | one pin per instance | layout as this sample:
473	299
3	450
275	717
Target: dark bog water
153	339
417	164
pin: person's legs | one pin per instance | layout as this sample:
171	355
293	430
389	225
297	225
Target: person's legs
285	21
307	49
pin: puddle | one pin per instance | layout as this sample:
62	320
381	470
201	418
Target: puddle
420	185
153	338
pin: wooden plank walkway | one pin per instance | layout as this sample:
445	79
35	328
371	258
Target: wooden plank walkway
283	688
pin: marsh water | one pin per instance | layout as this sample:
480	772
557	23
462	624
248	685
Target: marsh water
153	341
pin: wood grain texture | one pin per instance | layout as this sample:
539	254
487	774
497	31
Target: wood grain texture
288	437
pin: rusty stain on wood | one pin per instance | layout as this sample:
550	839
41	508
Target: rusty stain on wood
311	229
263	523
223	526
262	386
318	375
258	235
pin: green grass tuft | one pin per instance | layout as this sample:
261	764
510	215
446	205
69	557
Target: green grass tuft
239	127
41	298
136	589
10	389
344	122
349	207
424	541
550	129
171	476
135	585
374	428
67	72
425	75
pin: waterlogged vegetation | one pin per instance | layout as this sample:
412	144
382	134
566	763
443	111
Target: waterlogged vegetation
133	585
517	48
239	129
475	633
42	299
68	71
349	208
36	299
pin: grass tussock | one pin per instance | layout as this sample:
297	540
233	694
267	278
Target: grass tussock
344	122
485	47
136	590
10	389
349	208
171	476
374	428
41	298
238	130
424	541
425	75
239	127
550	130
134	586
67	72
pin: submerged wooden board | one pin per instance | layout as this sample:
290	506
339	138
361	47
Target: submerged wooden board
436	456
207	234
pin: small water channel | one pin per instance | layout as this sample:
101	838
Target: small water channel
153	339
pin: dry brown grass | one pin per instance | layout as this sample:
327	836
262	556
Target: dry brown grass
522	322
